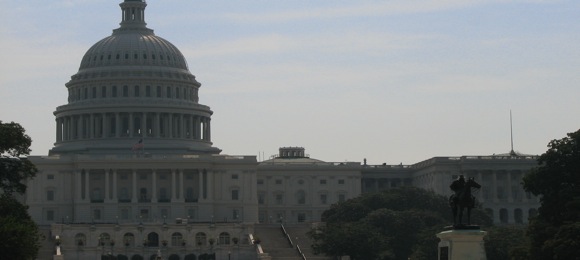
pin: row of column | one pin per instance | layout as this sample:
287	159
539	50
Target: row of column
83	181
133	124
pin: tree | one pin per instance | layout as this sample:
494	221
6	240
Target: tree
505	242
14	143
555	232
394	224
18	232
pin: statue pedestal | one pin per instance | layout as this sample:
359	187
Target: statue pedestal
459	244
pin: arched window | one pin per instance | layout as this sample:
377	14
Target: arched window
104	239
80	239
128	239
200	239
96	196
518	216
152	240
176	239
224	238
503	216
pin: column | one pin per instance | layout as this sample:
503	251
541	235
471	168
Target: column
156	130
59	129
170	126
105	126
131	126
115	197
509	187
79	184
154	186
197	128
182	126
173	190
190	127
107	183
200	195
181	185
134	199
144	131
79	127
494	189
117	125
87	198
91	126
208	133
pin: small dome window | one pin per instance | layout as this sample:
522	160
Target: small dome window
161	56
152	56
135	56
109	57
144	56
101	57
126	56
118	56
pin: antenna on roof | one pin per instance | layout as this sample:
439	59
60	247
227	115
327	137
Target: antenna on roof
512	152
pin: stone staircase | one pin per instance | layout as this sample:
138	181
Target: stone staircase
275	243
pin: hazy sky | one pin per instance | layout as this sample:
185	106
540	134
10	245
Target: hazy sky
390	81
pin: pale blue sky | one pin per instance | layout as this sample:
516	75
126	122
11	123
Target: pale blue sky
390	81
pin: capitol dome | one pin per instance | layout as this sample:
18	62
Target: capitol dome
133	92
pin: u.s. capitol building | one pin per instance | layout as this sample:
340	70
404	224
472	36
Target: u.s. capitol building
134	173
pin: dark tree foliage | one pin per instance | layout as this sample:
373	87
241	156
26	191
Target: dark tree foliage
19	235
394	224
506	242
554	233
14	143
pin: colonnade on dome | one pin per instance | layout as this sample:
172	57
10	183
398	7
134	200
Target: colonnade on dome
133	125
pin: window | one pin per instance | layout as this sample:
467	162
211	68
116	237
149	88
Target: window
129	239
235	194
144	213
143	176
341	181
103	92
261	198
503	216
114	92
341	197
224	239
50	195
148	91
301	217
236	214
80	239
176	239
50	177
50	215
96	214
301	197
200	239
260	181
234	176
323	182
125	91
164	212
279	199
278	182
191	213
168	92
136	91
323	199
124	213
159	91
94	93
300	182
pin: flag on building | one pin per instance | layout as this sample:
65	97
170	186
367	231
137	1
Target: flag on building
139	145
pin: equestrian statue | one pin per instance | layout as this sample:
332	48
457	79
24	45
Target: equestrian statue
462	199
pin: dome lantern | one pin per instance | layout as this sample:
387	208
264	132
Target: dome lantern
133	14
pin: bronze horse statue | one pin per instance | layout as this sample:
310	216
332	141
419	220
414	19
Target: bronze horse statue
462	199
